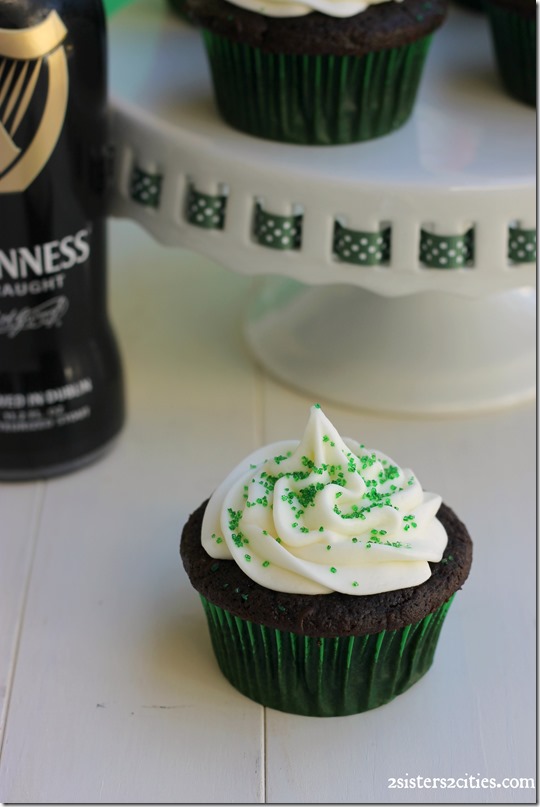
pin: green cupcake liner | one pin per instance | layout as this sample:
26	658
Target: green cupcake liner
321	677
314	100
514	39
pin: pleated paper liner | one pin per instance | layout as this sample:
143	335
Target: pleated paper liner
314	100
321	677
514	39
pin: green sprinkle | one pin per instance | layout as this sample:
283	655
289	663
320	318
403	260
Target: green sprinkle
307	495
392	472
234	518
247	557
266	563
279	459
333	569
214	567
355	583
329	546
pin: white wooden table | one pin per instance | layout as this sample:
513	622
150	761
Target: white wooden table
109	692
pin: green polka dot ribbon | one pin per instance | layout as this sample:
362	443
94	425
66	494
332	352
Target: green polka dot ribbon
204	210
446	251
362	248
145	188
277	232
522	245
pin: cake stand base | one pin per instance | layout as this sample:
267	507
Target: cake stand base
428	353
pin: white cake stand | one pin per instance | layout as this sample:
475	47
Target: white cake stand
398	337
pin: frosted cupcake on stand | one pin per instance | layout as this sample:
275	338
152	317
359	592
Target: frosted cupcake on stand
318	72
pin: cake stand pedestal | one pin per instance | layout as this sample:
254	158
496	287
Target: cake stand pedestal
427	353
397	332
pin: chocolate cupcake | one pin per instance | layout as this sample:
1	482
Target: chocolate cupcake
325	572
318	72
513	26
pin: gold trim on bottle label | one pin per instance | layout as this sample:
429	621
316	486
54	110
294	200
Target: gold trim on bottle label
38	46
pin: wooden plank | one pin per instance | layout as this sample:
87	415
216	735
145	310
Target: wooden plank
472	715
117	696
20	506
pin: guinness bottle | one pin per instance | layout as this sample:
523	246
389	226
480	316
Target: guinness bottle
61	390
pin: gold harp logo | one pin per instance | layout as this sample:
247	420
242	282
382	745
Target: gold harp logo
23	54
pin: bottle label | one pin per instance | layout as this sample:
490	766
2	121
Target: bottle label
25	54
29	272
37	286
41	410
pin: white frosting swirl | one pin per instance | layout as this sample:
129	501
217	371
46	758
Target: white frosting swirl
325	514
298	8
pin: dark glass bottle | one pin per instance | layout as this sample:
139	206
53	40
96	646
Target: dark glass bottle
61	387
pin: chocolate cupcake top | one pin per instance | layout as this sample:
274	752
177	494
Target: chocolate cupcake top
347	543
378	27
224	584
